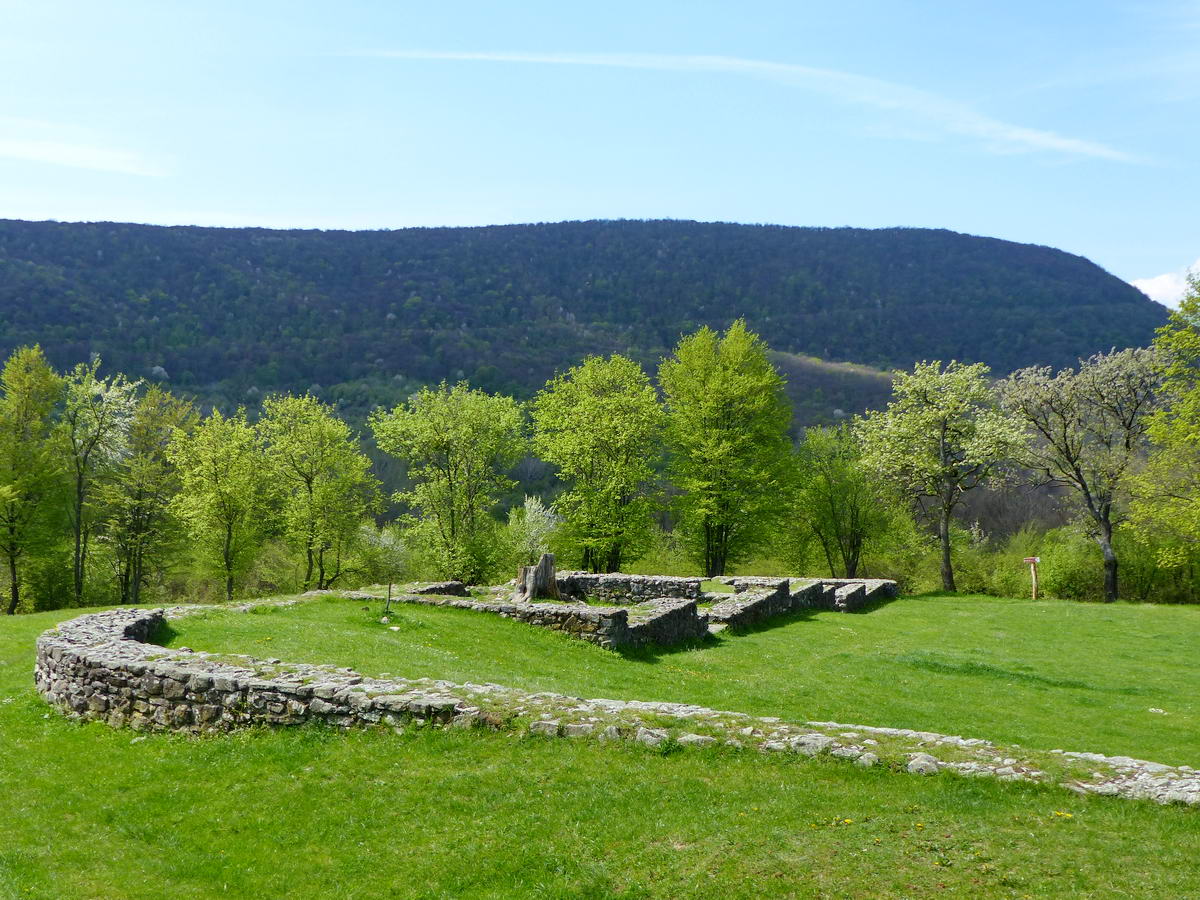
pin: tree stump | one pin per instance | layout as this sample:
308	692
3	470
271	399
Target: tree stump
537	582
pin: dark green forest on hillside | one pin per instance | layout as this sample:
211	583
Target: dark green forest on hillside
229	314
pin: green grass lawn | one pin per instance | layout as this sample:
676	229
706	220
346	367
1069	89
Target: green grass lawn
1042	675
92	812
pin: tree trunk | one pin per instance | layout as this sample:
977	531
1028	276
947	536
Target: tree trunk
322	582
79	548
15	596
136	571
716	541
538	582
1104	539
613	563
308	554
944	538
123	570
227	556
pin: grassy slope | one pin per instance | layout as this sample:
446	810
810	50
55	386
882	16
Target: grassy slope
1048	674
91	812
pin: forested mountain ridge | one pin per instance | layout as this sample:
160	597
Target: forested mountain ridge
225	310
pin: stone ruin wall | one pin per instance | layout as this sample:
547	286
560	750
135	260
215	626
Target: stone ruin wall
618	588
99	668
665	622
656	609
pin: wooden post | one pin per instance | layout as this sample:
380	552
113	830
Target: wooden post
1033	564
538	582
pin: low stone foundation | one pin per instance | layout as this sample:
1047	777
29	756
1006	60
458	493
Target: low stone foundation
667	623
874	590
750	607
618	588
659	609
664	622
98	667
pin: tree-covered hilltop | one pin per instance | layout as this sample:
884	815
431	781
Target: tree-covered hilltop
224	310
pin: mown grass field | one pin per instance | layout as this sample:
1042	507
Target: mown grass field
1045	675
92	812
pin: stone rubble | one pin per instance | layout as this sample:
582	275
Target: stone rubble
100	667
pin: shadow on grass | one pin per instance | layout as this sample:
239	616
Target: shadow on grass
163	634
654	652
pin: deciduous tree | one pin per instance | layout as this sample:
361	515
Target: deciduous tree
136	499
941	435
459	444
93	430
1086	427
529	530
837	503
727	435
601	424
29	466
324	478
226	493
1167	491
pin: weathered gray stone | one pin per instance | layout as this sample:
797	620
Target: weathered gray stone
812	744
651	737
923	764
445	588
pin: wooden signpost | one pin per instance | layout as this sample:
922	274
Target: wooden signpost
1033	564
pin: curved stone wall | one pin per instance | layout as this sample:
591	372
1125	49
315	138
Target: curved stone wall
99	667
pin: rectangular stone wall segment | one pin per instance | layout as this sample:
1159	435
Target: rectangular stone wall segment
606	626
617	587
849	597
742	583
668	622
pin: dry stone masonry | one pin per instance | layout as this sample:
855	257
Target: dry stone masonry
656	609
100	667
664	622
619	588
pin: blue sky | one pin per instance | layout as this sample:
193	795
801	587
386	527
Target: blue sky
1075	125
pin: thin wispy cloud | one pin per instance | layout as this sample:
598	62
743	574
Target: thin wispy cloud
935	111
58	145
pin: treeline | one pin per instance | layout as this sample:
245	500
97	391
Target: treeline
364	317
115	491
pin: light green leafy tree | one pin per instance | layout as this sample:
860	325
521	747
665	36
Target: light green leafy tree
324	478
226	493
838	504
136	497
30	467
1086	429
382	554
459	444
727	435
941	435
1166	502
601	424
529	530
93	431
